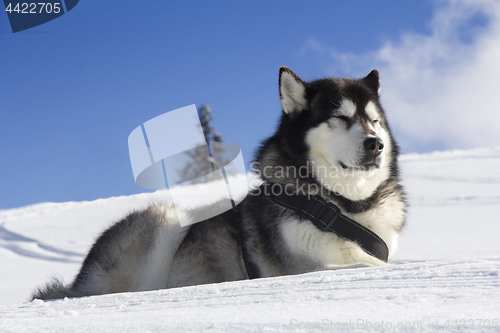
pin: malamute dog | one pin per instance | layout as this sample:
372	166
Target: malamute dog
330	199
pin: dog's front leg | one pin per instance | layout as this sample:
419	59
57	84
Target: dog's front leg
350	266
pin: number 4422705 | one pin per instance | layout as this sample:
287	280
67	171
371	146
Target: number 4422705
35	8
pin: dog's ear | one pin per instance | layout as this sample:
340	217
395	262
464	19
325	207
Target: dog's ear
292	91
372	81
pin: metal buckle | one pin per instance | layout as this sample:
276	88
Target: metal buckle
334	217
321	211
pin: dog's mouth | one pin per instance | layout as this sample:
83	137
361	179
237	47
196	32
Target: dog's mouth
363	167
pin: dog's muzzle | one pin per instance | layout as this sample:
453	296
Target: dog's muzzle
373	149
373	146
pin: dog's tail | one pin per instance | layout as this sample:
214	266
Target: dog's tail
53	290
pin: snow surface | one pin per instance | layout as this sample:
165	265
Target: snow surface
453	226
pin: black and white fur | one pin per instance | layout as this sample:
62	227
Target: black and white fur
336	132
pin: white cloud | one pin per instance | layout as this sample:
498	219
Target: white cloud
440	89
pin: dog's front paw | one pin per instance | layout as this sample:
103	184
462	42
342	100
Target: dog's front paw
350	266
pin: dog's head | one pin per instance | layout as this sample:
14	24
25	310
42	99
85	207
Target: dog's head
347	136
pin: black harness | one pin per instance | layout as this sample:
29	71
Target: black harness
327	217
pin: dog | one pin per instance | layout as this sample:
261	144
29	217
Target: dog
330	198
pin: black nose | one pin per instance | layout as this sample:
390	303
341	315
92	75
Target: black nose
374	146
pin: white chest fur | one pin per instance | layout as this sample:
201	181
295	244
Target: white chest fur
327	249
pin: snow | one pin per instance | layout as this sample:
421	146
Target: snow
450	283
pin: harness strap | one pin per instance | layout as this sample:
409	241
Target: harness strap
328	217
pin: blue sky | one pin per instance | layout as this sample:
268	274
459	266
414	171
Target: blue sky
73	89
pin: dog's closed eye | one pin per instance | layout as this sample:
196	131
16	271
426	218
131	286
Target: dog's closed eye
341	117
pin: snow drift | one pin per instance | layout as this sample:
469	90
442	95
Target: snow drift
452	226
